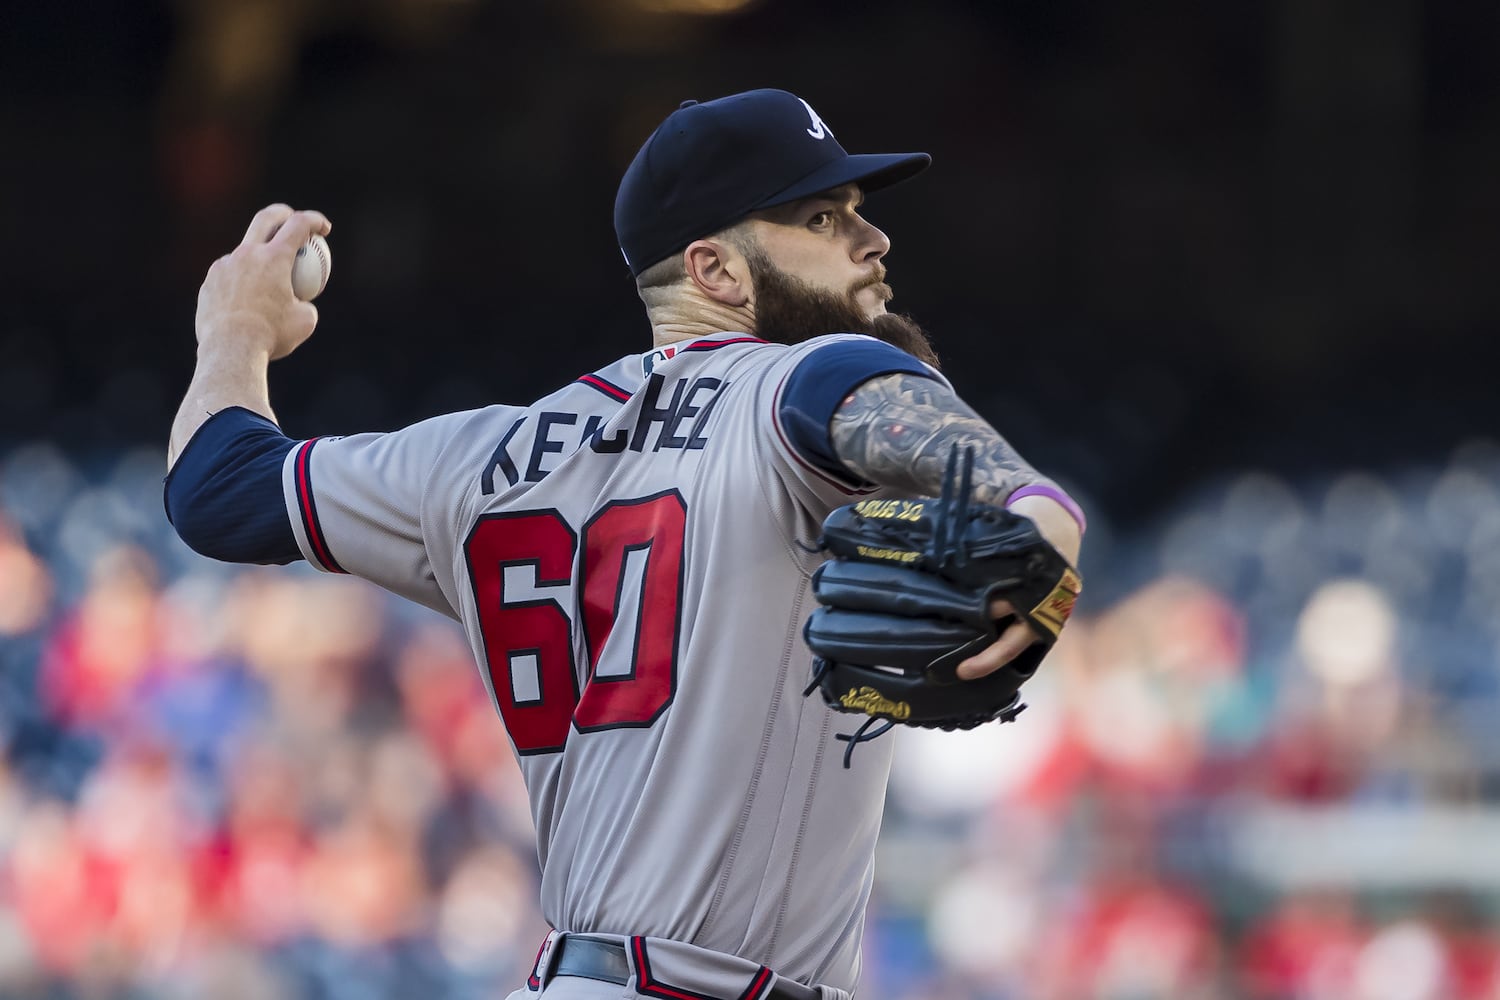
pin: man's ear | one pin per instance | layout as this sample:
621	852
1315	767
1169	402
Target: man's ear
720	271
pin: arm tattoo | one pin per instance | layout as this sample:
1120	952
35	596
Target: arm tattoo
897	430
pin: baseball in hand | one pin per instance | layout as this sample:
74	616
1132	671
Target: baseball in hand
311	268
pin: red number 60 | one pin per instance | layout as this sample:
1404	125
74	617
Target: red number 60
630	575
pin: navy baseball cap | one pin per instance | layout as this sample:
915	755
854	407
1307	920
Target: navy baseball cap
711	164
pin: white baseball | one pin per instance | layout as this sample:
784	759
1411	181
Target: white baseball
311	268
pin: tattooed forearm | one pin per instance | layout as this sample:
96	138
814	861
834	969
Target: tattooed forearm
897	431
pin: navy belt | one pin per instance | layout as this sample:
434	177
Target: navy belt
595	958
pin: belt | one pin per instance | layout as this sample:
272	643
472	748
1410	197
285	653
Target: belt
596	958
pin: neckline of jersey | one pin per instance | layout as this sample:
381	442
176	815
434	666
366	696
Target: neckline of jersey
724	337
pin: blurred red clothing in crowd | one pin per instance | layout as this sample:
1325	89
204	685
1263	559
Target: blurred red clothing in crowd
104	646
1306	944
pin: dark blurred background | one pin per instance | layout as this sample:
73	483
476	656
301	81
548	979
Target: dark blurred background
1221	268
1158	240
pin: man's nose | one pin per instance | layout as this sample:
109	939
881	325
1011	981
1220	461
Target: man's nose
873	243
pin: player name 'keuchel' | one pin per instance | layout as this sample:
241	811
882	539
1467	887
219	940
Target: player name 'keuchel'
680	423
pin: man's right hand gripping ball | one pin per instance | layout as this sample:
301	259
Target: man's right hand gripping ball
246	301
910	594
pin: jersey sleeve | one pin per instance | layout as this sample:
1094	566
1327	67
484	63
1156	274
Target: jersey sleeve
804	391
223	493
378	506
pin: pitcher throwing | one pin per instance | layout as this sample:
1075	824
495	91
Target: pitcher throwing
631	555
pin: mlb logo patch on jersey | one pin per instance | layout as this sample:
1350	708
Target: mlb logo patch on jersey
656	357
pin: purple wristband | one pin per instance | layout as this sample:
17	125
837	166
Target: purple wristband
1052	493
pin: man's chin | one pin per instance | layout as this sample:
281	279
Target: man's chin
872	299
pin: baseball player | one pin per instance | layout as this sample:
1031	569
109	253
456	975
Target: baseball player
630	554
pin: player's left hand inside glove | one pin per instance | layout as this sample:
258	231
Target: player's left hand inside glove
906	598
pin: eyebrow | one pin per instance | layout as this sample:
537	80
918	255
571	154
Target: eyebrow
783	214
858	195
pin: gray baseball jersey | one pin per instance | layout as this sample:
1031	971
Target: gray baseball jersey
630	559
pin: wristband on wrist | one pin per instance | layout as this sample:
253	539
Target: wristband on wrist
1054	494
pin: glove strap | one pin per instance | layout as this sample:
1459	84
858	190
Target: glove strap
820	667
861	736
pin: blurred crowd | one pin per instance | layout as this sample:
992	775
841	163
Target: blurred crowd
1260	765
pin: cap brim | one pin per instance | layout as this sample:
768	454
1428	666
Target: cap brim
871	171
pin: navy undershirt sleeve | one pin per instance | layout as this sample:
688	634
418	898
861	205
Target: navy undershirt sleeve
821	382
224	495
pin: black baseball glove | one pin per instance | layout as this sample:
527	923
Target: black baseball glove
906	598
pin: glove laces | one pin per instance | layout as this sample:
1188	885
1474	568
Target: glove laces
950	529
862	735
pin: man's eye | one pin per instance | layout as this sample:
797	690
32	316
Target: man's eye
821	219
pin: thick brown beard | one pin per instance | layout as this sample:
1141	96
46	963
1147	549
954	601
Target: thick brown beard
788	311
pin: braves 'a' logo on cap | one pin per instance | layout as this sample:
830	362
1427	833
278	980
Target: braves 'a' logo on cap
819	130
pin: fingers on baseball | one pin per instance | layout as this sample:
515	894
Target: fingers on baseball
297	228
266	222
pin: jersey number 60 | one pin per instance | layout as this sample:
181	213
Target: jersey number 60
630	572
